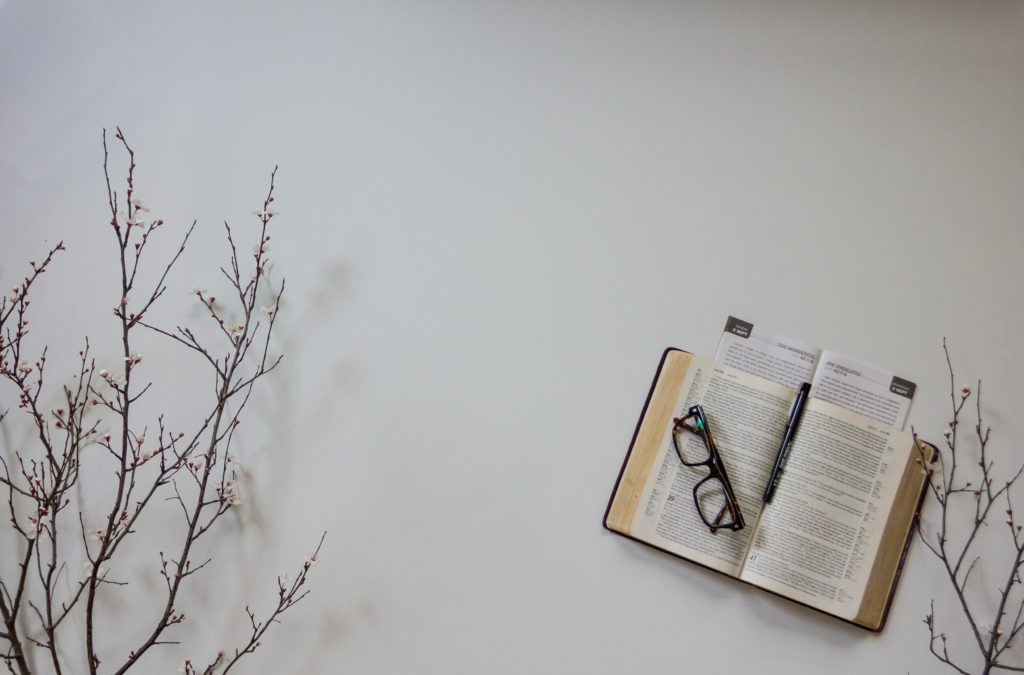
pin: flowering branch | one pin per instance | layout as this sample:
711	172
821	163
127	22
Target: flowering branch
967	490
289	592
98	409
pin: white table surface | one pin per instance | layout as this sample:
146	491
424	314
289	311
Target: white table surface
494	217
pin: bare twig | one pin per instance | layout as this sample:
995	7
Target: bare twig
289	593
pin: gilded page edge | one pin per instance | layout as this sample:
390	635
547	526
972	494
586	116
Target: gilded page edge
889	559
644	452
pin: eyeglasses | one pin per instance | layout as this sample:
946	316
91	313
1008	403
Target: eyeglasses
713	495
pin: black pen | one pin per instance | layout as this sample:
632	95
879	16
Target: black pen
787	440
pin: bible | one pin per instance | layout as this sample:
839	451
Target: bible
835	534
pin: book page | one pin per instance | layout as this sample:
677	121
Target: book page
871	392
746	416
817	540
773	357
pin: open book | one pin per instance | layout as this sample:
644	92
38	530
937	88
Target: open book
835	534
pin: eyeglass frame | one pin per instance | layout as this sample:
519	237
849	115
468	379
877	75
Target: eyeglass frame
715	465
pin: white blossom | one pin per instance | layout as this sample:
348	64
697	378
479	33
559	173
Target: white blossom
269	310
87	566
113	379
198	290
134	221
24	368
139	205
312	560
134	358
229	493
989	629
236	329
